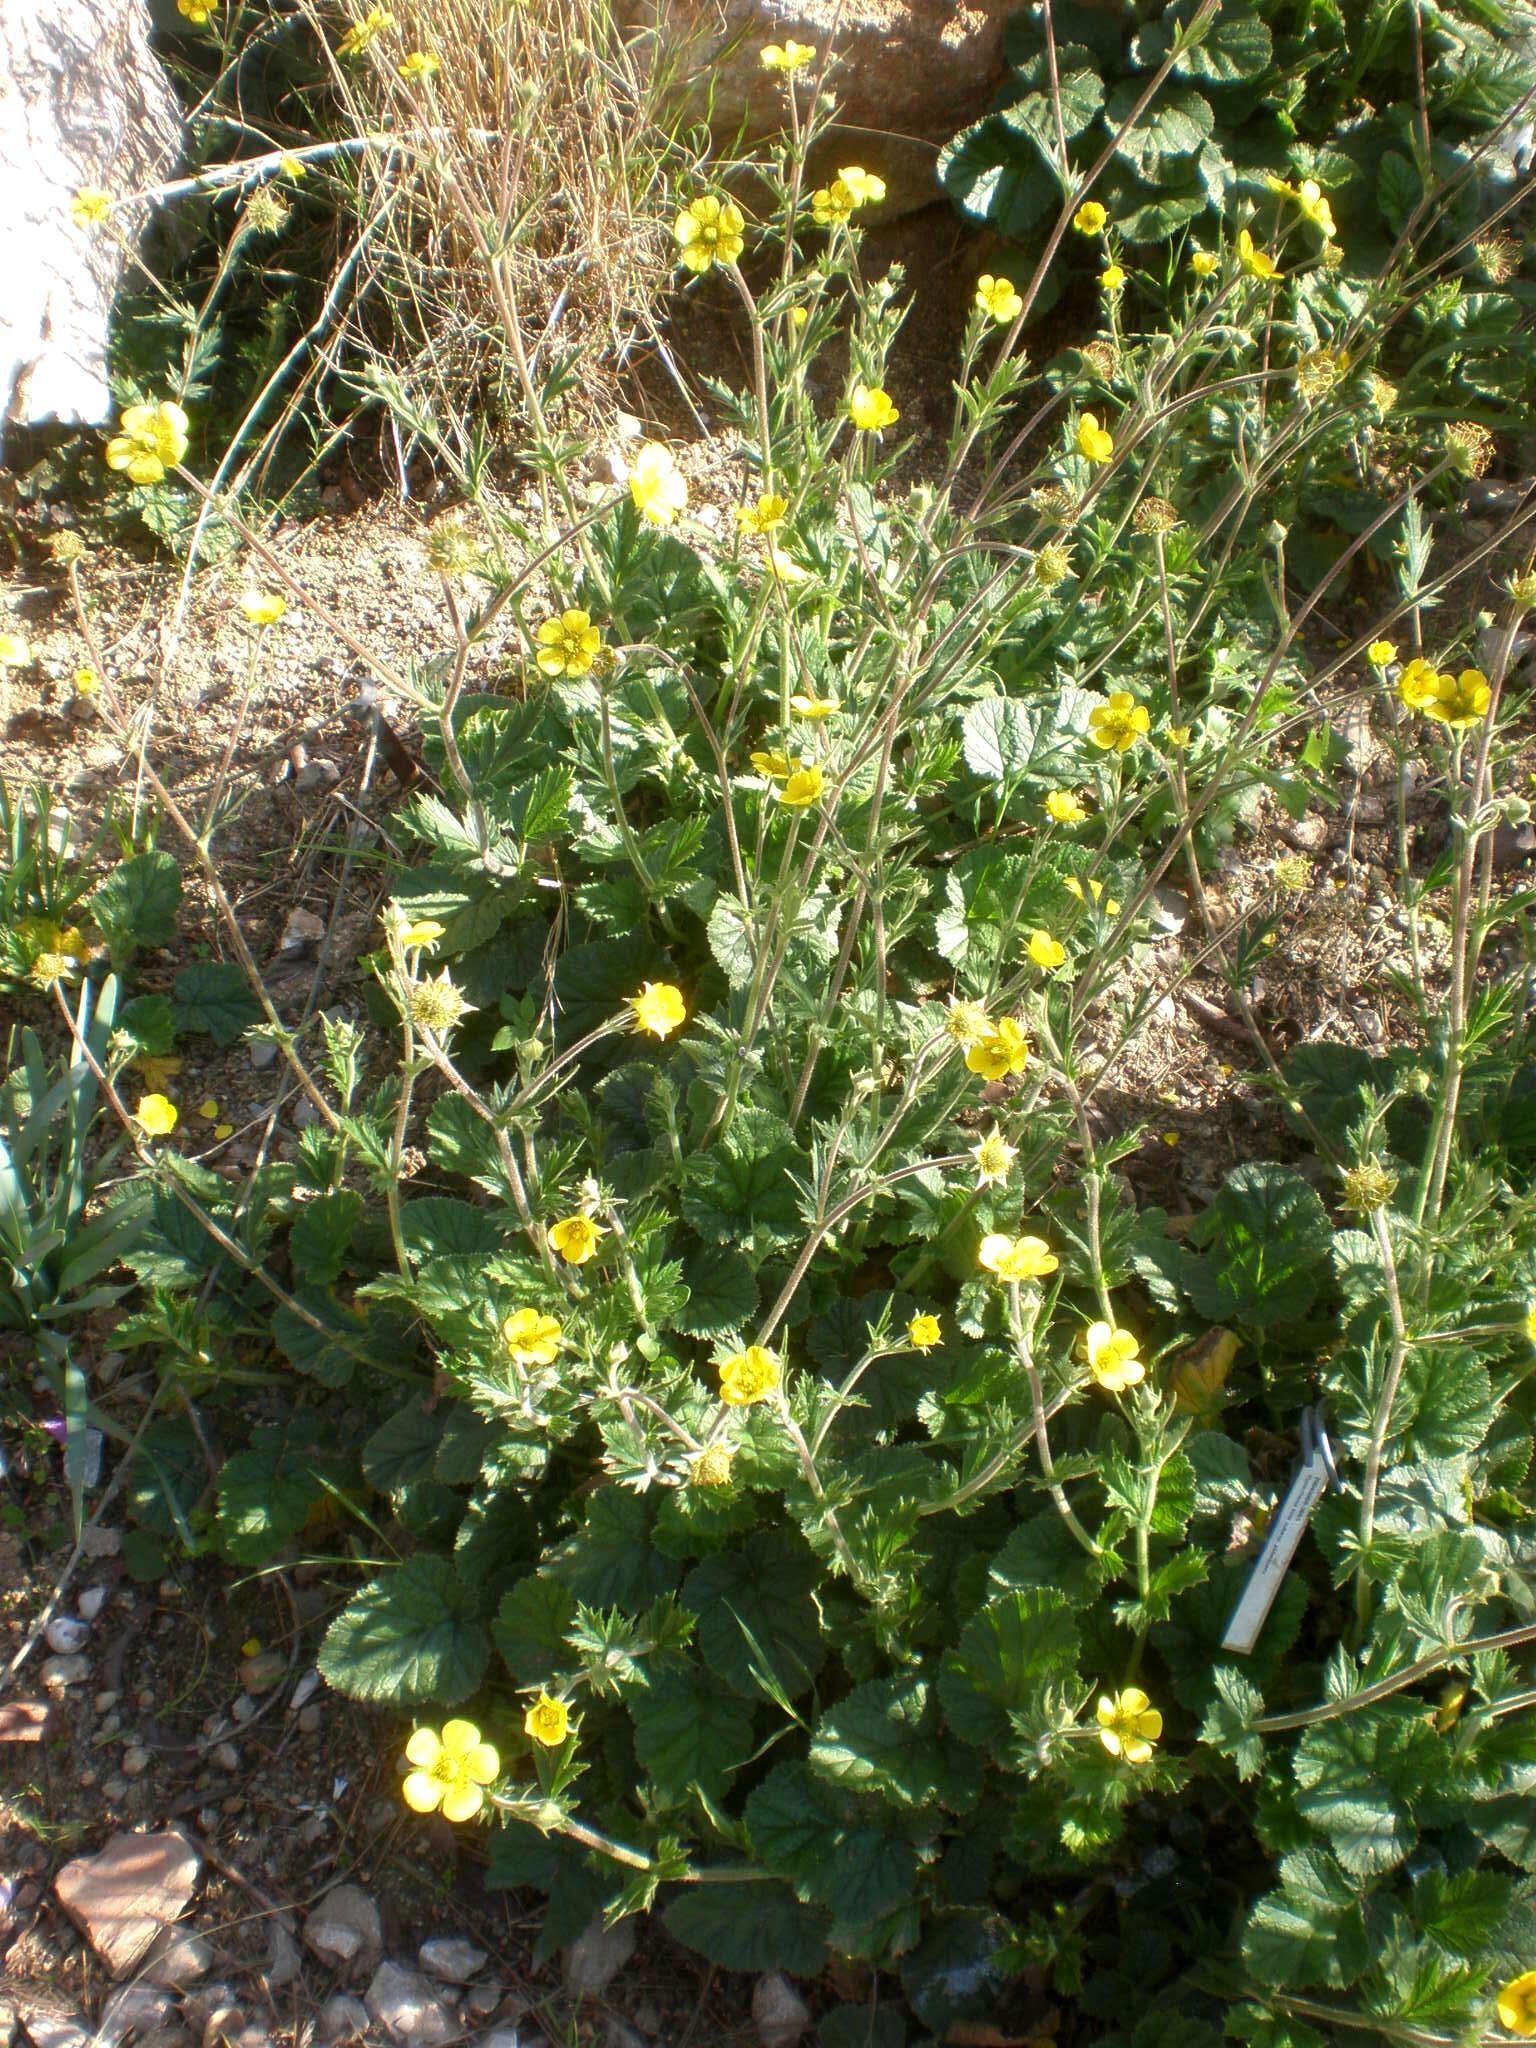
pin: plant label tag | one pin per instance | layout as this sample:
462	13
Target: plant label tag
1313	1476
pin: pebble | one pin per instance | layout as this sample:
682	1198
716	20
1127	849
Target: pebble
618	2033
596	1957
263	1055
226	1756
261	1672
104	1702
345	1929
305	1690
91	1602
135	1761
137	2008
122	1897
405	2005
50	2030
115	1789
178	1958
284	1962
244	1709
309	1720
343	2018
449	1960
99	1542
66	1634
504	2037
223	2025
111	1724
482	1999
779	2014
59	1672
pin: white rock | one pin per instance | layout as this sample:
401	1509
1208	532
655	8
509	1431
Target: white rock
284	1961
135	1761
450	1961
59	1672
226	1756
48	2030
345	1929
305	1690
343	2018
482	1999
178	1958
223	2026
502	2037
245	1708
779	2013
137	2008
596	1957
125	1895
91	1602
405	2005
66	1635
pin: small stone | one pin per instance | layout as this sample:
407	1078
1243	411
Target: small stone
779	2013
121	1898
59	1672
49	2030
404	2004
596	1957
284	1961
66	1634
136	2008
244	1709
449	1960
309	1719
263	1055
345	1929
110	1725
343	2018
305	1690
647	2016
23	1720
503	2037
261	1672
178	1958
223	2026
135	1761
1169	910
482	1999
618	2033
302	932
115	1789
104	1702
226	1756
318	773
99	1542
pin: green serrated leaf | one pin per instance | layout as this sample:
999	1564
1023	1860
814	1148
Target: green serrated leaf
1015	1644
214	996
409	1637
884	1738
749	1927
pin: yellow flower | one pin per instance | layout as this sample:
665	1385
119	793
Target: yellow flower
86	682
1092	440
803	788
547	1721
1380	653
762	517
1293	873
1120	723
751	1376
450	1770
798	315
709	231
1530	1324
786	56
1112	277
292	167
91	206
1017	1258
1178	735
1113	1357
1004	1050
1064	808
1315	207
1517	2005
1091	218
993	1157
1416	684
263	608
532	1338
1129	1724
155	1116
196	11
575	1239
426	932
153	437
967	1022
375	23
923	1332
832	205
862	186
996	297
419	64
569	645
1046	952
658	1008
871	409
814	707
657	485
1460	700
14	651
1204	264
785	567
1255	261
1074	887
774	765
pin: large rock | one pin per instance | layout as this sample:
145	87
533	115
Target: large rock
122	1898
83	103
910	73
